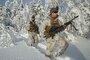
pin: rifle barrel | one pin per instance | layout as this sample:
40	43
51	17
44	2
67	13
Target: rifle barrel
75	17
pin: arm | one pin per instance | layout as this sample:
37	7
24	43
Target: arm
46	32
44	28
54	30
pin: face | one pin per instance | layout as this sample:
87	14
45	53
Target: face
33	19
54	15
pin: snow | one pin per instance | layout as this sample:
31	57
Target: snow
14	36
21	52
78	50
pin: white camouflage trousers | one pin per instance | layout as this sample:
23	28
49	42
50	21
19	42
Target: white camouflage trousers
51	44
33	39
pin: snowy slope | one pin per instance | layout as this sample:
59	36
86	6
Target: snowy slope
21	52
83	46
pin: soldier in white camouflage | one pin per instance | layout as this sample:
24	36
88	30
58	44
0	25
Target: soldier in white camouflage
33	30
53	20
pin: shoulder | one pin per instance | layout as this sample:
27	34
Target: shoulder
46	21
61	20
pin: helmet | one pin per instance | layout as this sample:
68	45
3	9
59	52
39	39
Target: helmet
55	10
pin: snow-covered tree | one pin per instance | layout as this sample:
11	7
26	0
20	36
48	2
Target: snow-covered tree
1	14
81	23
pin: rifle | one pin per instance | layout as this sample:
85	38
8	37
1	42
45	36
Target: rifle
55	29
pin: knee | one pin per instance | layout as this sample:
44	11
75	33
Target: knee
64	43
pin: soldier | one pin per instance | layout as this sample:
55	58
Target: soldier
46	26
33	31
